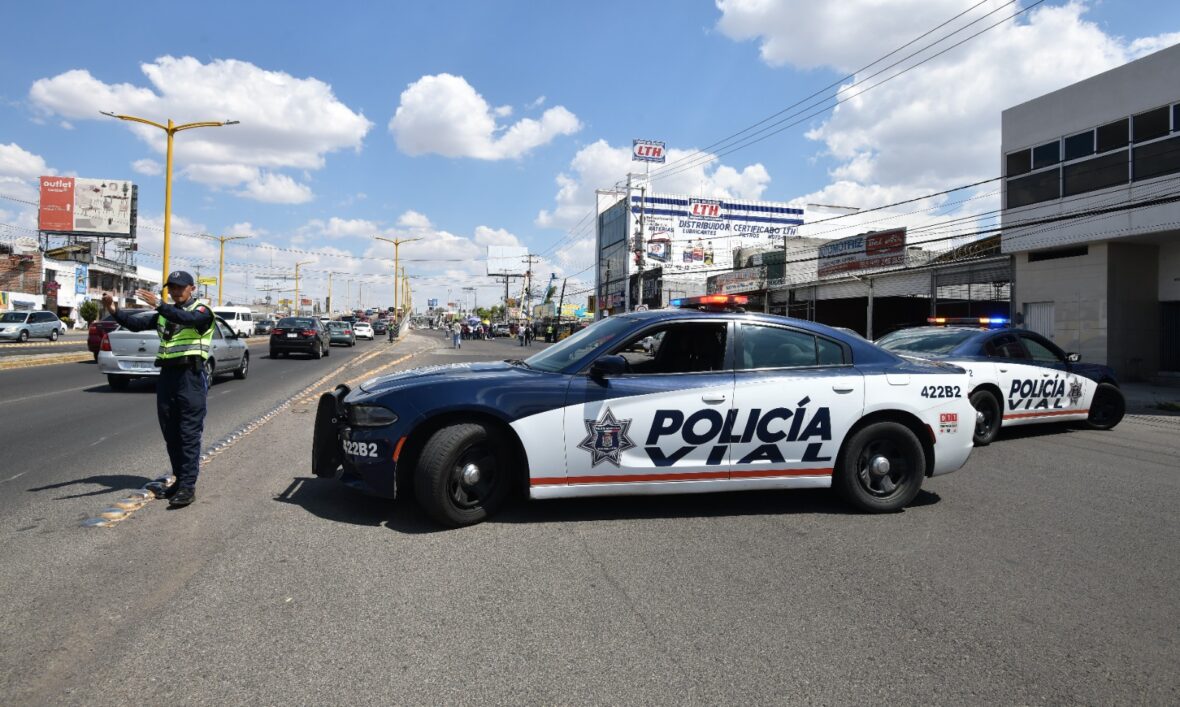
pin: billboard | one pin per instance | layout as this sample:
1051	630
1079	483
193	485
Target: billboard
507	260
95	207
647	151
684	234
81	279
867	251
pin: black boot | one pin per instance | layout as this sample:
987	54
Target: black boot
184	496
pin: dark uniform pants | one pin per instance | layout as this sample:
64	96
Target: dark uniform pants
180	405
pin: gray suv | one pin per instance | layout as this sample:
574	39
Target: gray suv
21	326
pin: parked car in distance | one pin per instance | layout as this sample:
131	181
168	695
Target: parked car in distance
263	326
341	333
22	326
101	327
126	355
363	330
299	335
240	319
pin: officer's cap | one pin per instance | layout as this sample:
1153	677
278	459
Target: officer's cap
180	277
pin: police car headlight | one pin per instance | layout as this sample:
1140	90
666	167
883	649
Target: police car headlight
371	416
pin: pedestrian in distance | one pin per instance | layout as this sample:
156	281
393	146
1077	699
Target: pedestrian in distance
457	337
186	331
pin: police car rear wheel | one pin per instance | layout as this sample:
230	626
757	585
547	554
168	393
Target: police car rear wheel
882	468
1107	408
987	417
460	479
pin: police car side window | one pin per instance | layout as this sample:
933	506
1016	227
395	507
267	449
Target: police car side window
774	347
685	347
1005	346
1039	351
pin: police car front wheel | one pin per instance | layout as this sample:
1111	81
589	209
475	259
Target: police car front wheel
882	468
461	477
1107	408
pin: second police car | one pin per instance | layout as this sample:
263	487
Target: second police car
720	400
1018	377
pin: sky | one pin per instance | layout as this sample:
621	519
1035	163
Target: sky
469	124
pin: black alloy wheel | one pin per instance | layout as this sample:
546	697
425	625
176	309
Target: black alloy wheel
1107	408
881	468
988	417
462	478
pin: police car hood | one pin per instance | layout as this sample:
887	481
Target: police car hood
484	372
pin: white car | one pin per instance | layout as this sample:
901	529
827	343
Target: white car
363	330
1018	377
726	401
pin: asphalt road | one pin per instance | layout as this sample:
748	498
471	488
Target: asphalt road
1044	571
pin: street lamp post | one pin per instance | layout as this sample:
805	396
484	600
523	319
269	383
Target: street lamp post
297	302
221	262
397	242
171	129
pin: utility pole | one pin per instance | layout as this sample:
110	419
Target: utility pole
397	242
221	262
297	302
328	304
561	300
528	287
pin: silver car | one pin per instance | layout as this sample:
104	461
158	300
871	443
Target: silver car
127	355
22	326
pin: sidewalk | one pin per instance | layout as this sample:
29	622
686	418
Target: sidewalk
1146	397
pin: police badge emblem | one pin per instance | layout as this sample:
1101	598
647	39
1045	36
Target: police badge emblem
606	438
1075	391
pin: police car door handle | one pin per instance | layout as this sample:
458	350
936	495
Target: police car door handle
713	397
1003	370
842	389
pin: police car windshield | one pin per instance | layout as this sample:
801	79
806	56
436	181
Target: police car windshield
925	340
569	351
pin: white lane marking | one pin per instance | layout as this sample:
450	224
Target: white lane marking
97	442
14	478
43	395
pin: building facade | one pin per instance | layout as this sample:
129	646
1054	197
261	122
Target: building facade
1091	215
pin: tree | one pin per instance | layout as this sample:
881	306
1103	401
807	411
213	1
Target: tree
89	310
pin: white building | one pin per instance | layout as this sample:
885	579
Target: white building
1092	215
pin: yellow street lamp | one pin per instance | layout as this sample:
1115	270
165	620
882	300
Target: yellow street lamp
397	242
298	303
171	129
221	261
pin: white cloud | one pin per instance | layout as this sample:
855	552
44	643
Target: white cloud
275	188
148	167
19	170
285	122
444	114
413	220
938	125
486	236
601	166
17	162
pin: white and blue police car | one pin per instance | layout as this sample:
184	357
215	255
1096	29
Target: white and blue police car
1018	377
694	399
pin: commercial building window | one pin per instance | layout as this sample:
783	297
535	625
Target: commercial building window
1112	135
1076	252
1152	124
1019	162
1035	188
1046	155
1079	145
1157	159
1099	173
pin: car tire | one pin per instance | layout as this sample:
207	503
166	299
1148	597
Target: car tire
210	367
988	417
328	350
53	335
1107	408
24	336
95	356
439	477
318	353
274	354
118	382
240	374
871	488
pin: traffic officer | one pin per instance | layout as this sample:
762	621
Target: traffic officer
186	335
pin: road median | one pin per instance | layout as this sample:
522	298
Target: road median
31	360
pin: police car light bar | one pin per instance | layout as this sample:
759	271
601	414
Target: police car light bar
969	321
713	300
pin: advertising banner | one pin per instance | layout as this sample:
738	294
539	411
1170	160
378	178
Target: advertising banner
100	207
684	234
868	251
647	151
81	279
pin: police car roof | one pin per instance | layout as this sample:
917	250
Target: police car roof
864	352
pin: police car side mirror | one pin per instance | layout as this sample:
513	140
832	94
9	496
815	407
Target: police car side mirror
1073	357
608	365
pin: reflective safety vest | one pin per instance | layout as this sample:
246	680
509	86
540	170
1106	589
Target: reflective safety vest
178	341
